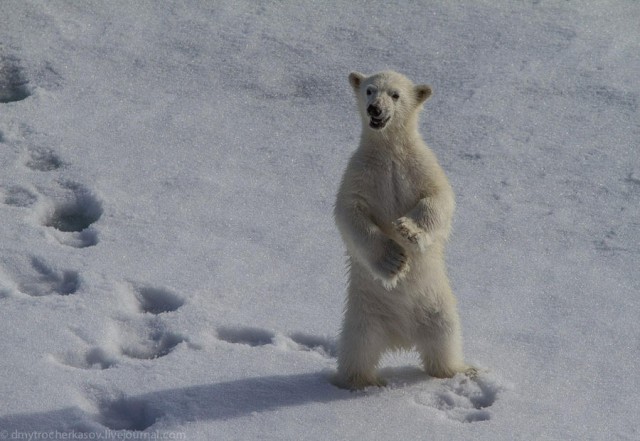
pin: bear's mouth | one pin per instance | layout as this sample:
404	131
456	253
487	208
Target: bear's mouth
378	123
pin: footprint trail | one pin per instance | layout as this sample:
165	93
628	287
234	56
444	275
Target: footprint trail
255	337
140	334
459	398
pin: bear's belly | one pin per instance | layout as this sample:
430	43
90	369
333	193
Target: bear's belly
415	302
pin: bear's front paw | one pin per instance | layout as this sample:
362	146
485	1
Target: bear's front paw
393	265
409	231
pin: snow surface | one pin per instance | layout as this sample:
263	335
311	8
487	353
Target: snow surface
169	264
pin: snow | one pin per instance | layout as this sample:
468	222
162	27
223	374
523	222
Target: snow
169	264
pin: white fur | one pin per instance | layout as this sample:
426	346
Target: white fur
394	211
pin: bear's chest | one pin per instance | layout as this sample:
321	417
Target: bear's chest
396	190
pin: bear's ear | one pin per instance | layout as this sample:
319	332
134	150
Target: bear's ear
422	93
355	79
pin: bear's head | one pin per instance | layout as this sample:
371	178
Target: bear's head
387	99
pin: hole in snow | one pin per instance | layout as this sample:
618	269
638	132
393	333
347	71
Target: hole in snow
74	212
476	416
72	217
98	357
158	300
78	239
127	414
49	281
13	84
155	345
246	336
17	196
43	159
95	358
324	346
486	394
467	400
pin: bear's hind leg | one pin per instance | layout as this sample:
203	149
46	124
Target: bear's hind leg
358	356
442	354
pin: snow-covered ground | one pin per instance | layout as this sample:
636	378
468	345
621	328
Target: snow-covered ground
169	265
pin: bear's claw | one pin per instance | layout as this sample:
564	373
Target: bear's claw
411	233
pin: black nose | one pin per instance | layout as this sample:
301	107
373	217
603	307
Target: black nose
374	111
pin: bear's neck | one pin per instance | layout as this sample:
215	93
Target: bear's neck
392	139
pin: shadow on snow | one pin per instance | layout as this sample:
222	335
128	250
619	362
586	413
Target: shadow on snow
219	401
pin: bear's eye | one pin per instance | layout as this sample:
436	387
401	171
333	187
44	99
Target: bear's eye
395	96
369	92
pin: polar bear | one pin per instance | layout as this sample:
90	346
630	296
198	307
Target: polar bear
393	210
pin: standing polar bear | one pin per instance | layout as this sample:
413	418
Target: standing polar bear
394	210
